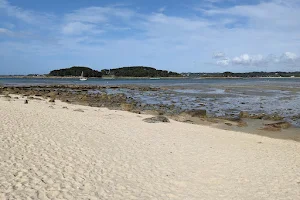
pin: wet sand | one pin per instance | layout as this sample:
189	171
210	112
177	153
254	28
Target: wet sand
56	151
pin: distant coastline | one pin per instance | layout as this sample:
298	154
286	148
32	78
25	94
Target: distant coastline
76	77
124	78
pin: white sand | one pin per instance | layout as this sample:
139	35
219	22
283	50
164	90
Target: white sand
56	153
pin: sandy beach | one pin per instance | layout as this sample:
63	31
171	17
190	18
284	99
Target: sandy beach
63	151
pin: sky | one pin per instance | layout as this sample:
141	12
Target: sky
183	36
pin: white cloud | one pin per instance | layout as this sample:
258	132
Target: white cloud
27	16
265	15
224	62
289	56
99	14
260	60
246	59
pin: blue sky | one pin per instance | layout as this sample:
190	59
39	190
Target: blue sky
184	36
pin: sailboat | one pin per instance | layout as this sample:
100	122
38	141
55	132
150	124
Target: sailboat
82	78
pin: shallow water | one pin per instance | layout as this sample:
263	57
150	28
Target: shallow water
219	97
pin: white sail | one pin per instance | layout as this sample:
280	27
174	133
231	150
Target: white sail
82	78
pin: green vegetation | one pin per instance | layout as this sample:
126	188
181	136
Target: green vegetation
139	71
76	71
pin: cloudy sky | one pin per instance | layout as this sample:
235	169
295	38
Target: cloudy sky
184	36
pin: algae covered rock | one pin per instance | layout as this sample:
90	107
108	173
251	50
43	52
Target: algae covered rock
157	119
196	113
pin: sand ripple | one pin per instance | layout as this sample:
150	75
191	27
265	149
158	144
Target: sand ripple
58	153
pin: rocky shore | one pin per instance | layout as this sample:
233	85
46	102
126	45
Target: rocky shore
131	98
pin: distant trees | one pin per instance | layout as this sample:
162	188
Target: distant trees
76	71
140	71
134	71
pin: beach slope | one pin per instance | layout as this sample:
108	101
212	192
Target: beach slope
62	151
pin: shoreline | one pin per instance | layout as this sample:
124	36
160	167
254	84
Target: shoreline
124	78
254	124
75	77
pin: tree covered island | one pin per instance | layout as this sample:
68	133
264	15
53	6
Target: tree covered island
134	71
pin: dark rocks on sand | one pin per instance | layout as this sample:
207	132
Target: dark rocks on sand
280	125
197	113
244	114
52	100
136	111
257	116
228	124
296	117
273	117
157	119
79	110
127	106
26	101
277	126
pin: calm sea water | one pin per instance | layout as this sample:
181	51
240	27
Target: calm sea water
160	82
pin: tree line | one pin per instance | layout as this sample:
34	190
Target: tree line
76	71
134	71
139	71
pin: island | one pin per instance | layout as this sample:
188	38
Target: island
76	71
139	71
133	71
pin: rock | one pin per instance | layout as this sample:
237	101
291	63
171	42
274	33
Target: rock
295	117
228	124
52	94
274	117
16	97
156	119
52	100
232	119
197	113
276	126
136	111
257	116
283	125
65	107
244	114
127	106
26	101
